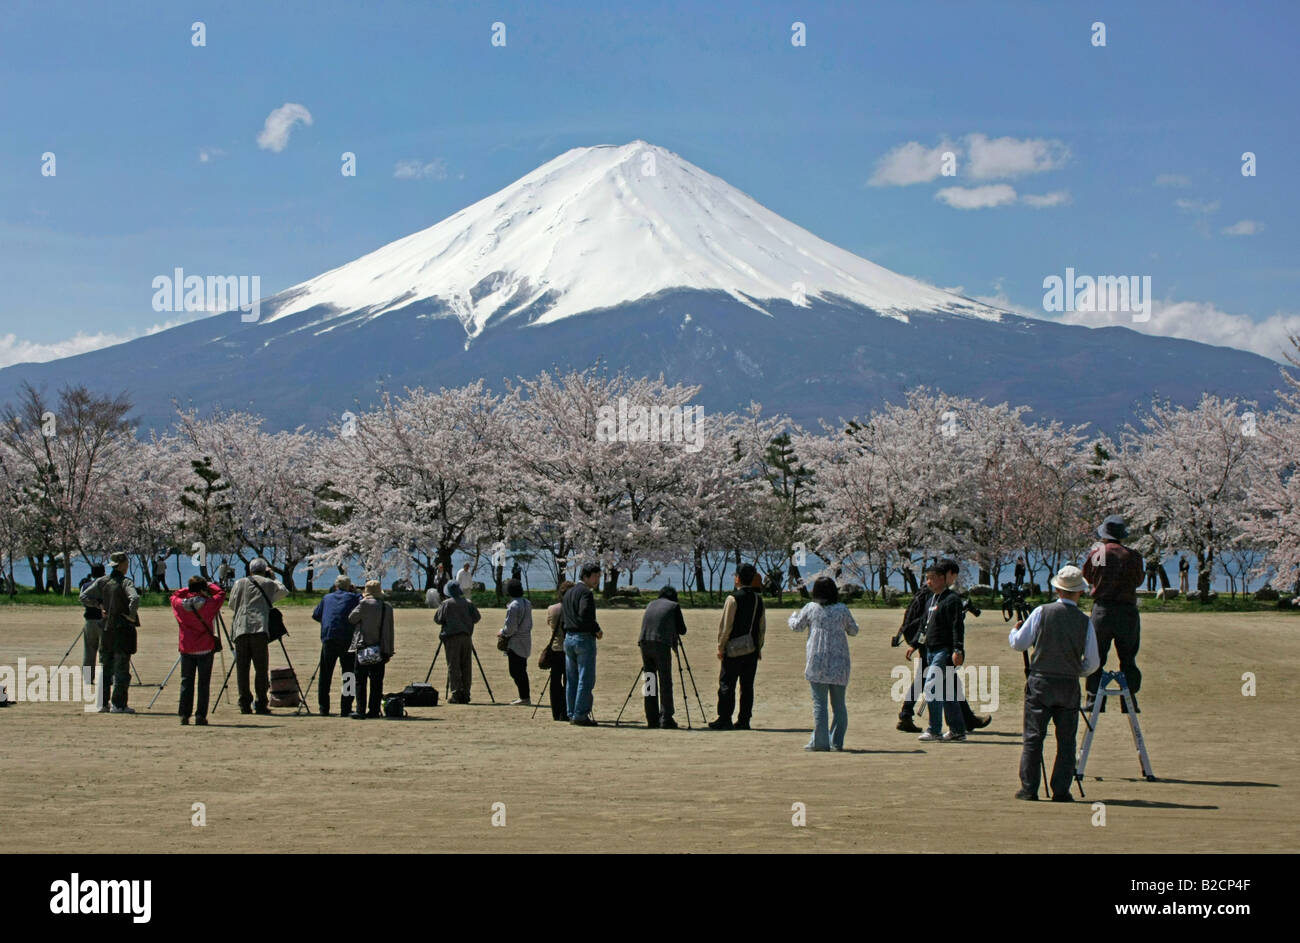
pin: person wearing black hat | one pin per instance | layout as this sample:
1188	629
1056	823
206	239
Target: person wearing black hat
740	646
661	626
92	627
1115	572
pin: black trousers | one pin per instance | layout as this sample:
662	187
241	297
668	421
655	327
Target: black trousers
909	705
370	677
519	672
335	651
1057	700
657	659
252	650
559	705
1120	623
737	672
202	666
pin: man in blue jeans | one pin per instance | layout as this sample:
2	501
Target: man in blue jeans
580	634
944	638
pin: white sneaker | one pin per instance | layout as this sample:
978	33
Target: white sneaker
122	710
521	702
928	737
951	737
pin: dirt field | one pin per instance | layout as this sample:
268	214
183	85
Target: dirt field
73	781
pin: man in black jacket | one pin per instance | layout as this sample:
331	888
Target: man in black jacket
115	595
661	626
913	621
944	637
580	634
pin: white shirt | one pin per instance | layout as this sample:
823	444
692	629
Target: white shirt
1025	637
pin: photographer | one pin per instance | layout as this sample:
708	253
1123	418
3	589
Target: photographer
115	595
335	638
196	608
1115	573
661	626
1064	647
373	619
914	620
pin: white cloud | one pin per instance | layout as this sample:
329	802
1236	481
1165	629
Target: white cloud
1173	180
1203	207
1200	321
419	170
977	198
910	163
1042	201
13	350
207	154
1013	157
274	135
1247	227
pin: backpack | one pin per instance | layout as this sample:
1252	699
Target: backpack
419	694
394	705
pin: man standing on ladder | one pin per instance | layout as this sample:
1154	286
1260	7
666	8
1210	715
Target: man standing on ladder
1115	572
1064	648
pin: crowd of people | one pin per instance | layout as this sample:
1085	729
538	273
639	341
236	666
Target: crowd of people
1060	642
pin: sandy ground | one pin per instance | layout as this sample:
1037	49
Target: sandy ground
73	781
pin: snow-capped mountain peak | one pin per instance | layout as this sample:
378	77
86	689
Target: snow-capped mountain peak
603	226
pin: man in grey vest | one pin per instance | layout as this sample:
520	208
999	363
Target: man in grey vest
1064	647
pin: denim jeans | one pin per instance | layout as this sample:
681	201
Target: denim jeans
820	740
580	671
936	681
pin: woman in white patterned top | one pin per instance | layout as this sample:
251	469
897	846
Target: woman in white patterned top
829	624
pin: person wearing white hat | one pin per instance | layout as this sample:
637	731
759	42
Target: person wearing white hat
1064	649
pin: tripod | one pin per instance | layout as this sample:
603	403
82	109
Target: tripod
302	707
1104	691
139	683
482	674
650	688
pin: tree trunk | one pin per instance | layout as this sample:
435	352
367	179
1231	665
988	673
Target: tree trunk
287	575
1163	574
1204	560
611	582
985	576
38	583
311	575
498	572
884	577
699	570
909	576
792	577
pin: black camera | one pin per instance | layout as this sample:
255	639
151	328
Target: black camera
968	606
1014	601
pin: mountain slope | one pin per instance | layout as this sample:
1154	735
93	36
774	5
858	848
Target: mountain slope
589	260
599	227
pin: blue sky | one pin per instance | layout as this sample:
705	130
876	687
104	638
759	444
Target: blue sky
1136	146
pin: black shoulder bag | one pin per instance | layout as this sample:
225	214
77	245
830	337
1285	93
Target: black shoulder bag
275	629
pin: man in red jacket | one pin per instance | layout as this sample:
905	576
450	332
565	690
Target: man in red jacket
196	609
1115	573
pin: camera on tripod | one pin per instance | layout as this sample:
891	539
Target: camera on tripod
1015	601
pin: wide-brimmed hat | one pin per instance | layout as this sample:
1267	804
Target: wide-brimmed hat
373	589
1113	528
1069	579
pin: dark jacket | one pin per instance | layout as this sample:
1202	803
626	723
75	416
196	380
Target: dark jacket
662	622
332	614
580	610
945	625
457	616
915	617
1115	573
115	594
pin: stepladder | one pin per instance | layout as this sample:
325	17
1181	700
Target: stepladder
1104	691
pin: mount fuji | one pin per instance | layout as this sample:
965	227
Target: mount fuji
632	257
